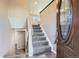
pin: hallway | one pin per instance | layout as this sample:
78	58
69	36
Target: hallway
24	31
39	28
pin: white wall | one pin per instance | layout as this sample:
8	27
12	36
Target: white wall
48	22
17	17
5	29
11	18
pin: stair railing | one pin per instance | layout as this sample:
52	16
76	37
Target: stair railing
30	46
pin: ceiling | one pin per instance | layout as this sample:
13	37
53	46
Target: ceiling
37	5
34	6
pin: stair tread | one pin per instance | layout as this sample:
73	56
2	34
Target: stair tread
39	47
36	27
40	41
38	36
35	44
38	32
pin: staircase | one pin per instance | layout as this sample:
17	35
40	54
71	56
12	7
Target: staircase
40	44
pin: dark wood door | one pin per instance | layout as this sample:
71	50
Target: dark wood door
69	47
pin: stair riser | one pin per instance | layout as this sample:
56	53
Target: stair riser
38	34
35	25
38	39
39	51
37	30
40	44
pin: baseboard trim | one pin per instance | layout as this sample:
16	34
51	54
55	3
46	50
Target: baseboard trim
53	51
50	44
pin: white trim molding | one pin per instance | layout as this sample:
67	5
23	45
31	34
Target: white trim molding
47	38
30	46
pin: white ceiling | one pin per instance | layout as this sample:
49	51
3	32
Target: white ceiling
30	4
36	8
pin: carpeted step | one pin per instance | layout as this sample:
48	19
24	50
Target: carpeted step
35	25
37	30
38	38
38	34
40	43
41	49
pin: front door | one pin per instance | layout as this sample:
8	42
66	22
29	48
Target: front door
68	29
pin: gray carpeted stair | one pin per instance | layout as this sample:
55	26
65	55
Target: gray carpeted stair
38	38
40	44
41	49
37	30
38	34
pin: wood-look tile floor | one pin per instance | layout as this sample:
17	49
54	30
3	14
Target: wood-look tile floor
44	55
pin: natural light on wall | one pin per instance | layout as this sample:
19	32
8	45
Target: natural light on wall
17	17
